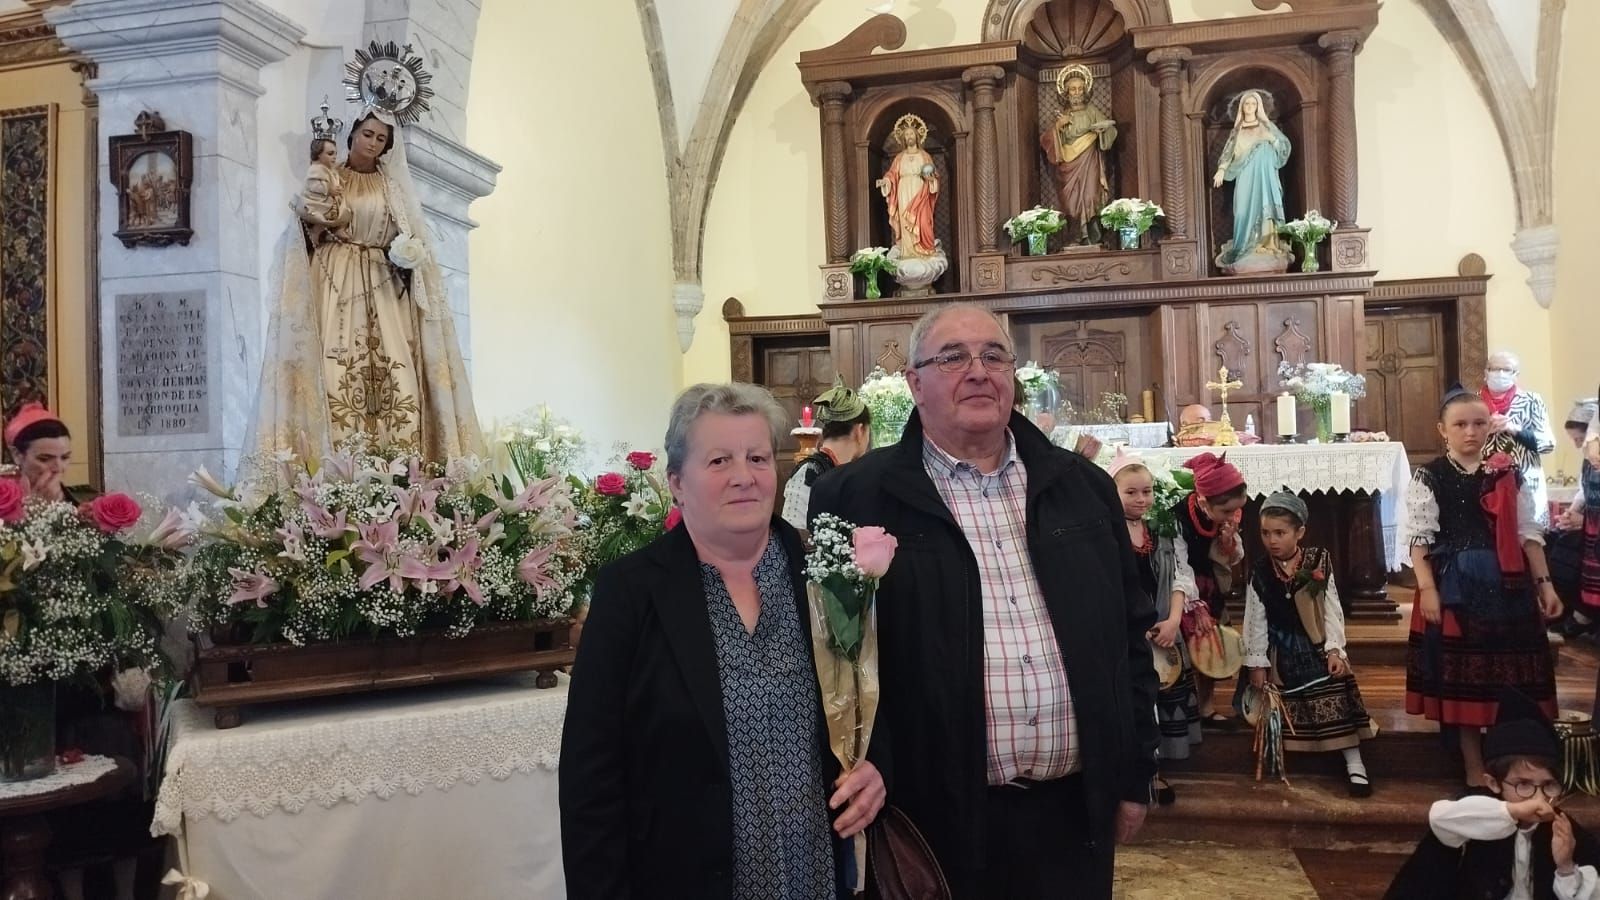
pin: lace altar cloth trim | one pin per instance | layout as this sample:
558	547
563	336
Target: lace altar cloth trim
1379	467
86	771
343	750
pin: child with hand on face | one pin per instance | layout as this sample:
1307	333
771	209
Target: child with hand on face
1208	524
1294	638
1509	838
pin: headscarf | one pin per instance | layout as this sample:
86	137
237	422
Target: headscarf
838	403
1123	460
1289	503
1214	475
31	413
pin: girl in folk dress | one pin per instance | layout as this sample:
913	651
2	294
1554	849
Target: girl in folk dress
1483	587
1294	637
1208	526
1165	575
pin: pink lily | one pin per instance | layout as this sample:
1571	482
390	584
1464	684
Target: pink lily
536	496
461	566
294	542
415	500
535	570
379	548
251	586
171	533
326	525
339	467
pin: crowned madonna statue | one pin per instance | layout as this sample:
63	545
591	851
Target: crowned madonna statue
362	339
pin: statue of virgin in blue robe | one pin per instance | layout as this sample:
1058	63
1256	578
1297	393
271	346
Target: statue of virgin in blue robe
1255	151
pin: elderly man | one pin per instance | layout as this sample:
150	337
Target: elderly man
1016	678
1520	421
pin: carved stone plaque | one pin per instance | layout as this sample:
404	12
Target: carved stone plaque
162	385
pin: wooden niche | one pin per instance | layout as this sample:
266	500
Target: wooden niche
1162	316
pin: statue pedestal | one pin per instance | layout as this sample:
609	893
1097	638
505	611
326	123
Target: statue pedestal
916	274
1261	262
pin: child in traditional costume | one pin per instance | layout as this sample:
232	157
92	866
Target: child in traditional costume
1294	639
1508	839
1208	526
1164	573
1483	589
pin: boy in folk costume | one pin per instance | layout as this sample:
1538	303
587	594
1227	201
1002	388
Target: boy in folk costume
1483	589
1208	524
1294	638
1508	839
1164	573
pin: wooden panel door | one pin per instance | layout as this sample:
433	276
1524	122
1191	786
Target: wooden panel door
1093	356
1407	371
795	371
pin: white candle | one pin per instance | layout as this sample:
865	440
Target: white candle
1286	423
1339	402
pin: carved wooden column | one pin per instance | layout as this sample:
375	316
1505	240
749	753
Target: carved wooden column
837	282
983	80
1178	251
1348	245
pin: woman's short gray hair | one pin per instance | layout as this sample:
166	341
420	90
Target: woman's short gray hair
732	399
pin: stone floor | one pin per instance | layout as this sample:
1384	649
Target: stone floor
1170	870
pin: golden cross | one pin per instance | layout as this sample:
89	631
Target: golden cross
1224	385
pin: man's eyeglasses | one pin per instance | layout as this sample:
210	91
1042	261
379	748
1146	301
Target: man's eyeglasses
953	361
1552	790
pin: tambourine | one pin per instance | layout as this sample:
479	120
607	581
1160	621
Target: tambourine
1218	655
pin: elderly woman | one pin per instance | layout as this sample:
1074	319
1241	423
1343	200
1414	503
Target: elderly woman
1520	421
694	759
41	447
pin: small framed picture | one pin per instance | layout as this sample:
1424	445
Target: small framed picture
152	171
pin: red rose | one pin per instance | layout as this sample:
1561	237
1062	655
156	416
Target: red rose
611	484
1316	575
641	459
11	494
70	756
114	512
674	516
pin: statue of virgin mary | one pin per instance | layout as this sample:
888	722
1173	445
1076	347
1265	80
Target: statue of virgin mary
361	338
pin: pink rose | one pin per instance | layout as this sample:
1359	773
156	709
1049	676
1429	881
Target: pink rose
674	516
11	494
611	484
1499	462
112	513
874	550
641	459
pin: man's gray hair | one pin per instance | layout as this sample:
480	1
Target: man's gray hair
732	399
919	331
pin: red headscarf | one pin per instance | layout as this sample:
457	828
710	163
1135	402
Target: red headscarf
1214	475
29	414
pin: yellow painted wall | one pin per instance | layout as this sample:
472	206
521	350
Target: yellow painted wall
1574	327
571	264
1434	182
71	370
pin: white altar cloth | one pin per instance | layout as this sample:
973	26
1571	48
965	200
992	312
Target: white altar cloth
446	791
1138	435
1324	468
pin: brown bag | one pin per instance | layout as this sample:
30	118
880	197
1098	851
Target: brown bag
899	864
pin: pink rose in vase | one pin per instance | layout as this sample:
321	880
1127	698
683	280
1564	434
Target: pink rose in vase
11	495
641	459
874	549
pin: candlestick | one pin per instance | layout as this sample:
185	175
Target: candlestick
1339	404
805	417
1286	416
1149	402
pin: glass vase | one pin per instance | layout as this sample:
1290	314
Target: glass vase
886	429
1308	257
872	286
1322	411
27	731
1038	244
1129	234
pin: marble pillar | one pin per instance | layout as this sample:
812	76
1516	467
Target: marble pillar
197	63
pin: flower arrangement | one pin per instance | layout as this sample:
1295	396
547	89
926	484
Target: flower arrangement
1035	226
1039	383
72	598
843	568
1308	232
623	510
372	543
1317	381
541	445
1312	576
889	398
1131	217
1172	487
868	262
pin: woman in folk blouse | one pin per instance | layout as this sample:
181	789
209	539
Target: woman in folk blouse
1483	586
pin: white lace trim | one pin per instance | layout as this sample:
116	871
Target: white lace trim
86	771
1325	468
348	750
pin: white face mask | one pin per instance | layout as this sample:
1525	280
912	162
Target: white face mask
1500	382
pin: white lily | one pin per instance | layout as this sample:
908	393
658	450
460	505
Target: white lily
203	479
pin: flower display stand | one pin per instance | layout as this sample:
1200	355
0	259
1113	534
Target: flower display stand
229	675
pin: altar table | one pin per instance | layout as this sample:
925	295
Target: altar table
445	791
1134	434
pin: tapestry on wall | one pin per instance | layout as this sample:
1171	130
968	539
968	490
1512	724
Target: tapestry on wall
27	144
